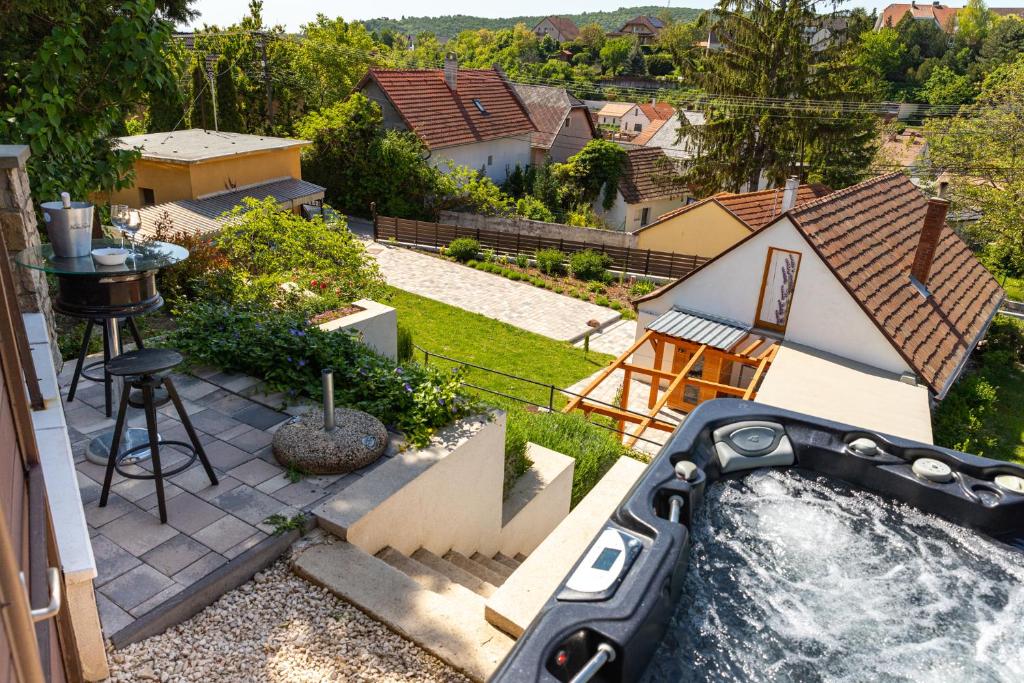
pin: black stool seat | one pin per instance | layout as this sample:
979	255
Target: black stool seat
144	362
148	385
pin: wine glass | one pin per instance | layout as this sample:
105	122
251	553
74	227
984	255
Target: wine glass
119	217
132	227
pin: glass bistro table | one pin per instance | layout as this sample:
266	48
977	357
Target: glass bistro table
88	290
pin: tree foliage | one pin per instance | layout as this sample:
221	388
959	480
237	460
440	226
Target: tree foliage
595	170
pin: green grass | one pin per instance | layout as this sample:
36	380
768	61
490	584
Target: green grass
1014	287
1006	421
477	339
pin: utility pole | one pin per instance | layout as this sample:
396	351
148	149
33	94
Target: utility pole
267	83
211	66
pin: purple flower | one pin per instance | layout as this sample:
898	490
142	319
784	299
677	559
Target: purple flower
302	362
408	387
441	401
399	370
295	332
288	358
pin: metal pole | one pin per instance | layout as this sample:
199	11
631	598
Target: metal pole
328	383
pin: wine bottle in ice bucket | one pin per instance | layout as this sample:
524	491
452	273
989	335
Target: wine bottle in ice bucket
69	226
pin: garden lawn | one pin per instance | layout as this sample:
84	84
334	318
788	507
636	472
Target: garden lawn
465	336
1006	421
1014	287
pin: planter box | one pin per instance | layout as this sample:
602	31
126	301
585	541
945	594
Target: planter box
376	324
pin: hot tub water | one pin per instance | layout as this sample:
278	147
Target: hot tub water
795	577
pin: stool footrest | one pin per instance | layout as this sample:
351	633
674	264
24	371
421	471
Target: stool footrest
178	469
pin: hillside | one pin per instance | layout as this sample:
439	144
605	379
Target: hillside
454	24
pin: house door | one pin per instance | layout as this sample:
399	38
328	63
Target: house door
30	591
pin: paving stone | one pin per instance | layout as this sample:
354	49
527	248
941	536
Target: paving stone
231	436
305	492
251	542
274	483
229	404
136	586
225	533
198	483
138	532
91	394
212	421
248	504
112	617
87	419
96	472
200	569
150	502
260	417
134	489
224	456
252	440
239	383
157	600
255	472
188	513
116	506
174	554
88	489
111	560
196	391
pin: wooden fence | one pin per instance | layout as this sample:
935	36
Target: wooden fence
639	261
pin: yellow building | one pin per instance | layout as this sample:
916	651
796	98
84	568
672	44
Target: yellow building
710	226
195	175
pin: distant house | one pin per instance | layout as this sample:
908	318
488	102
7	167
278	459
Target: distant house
644	28
472	117
612	113
649	187
876	302
630	117
671	136
562	29
195	175
943	16
710	226
562	121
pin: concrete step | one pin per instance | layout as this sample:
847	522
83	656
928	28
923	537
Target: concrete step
429	578
478	570
446	628
455	573
492	564
509	562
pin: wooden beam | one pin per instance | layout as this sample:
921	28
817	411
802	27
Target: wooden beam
770	350
680	378
717	386
627	378
632	418
749	394
726	355
651	372
750	349
603	375
659	356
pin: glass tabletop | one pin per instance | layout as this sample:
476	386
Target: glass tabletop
148	256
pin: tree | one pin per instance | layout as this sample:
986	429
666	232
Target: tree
1004	42
974	22
881	53
981	147
201	115
228	116
595	171
331	59
679	39
635	64
615	53
70	72
765	55
945	87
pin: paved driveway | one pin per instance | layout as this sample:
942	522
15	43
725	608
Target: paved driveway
525	306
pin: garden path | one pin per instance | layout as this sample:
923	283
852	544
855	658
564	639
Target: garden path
516	303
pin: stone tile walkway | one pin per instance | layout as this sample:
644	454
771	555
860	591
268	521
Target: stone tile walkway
614	339
531	308
143	563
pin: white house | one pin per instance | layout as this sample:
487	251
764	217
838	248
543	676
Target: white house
562	29
564	125
471	117
868	290
665	135
612	114
649	186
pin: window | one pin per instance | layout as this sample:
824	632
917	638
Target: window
490	160
777	287
645	215
637	127
480	105
146	196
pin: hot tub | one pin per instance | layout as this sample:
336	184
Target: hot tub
765	544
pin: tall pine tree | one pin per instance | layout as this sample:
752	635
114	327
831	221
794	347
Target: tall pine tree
766	55
202	103
229	118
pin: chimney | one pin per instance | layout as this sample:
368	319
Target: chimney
451	71
934	219
789	194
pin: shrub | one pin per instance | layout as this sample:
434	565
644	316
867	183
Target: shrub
601	300
615	305
522	260
960	419
489	256
589	264
472	263
464	249
287	352
196	275
597	287
550	261
534	209
405	345
641	287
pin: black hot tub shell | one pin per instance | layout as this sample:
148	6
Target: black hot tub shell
608	616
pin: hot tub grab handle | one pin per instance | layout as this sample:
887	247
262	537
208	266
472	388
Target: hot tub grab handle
605	653
675	509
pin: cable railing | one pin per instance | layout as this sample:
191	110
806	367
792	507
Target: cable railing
550	388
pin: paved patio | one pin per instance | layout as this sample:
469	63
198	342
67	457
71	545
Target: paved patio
525	306
142	563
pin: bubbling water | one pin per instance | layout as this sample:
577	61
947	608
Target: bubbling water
800	578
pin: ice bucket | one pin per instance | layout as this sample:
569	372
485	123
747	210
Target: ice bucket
69	226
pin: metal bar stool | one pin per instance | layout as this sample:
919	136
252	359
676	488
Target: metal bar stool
82	369
146	373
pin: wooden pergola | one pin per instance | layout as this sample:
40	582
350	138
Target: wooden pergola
699	371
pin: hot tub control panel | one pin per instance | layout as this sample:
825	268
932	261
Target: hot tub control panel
752	443
603	567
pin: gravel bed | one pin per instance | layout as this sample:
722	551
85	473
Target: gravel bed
278	627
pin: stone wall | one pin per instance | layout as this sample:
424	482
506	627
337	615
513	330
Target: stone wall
525	226
18	225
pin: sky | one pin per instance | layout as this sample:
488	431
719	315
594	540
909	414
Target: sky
293	13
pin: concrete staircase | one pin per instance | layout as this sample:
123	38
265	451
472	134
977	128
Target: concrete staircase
469	579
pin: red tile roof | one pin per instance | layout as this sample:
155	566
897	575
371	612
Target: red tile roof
867	236
757	209
441	117
659	111
649	174
548	107
944	15
648	132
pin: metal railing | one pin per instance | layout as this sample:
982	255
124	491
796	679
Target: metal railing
551	389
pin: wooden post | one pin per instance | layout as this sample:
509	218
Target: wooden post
627	379
659	352
373	215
